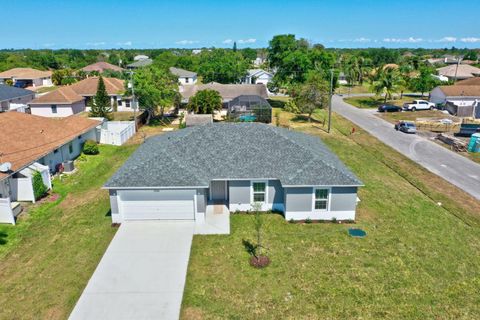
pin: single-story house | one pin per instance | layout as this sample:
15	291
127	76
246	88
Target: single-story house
101	67
74	98
30	143
27	77
14	99
459	100
184	76
62	102
140	64
258	76
228	92
139	57
237	164
342	78
459	72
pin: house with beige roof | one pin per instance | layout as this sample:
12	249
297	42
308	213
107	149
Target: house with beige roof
30	144
60	103
27	77
459	72
101	66
73	99
459	100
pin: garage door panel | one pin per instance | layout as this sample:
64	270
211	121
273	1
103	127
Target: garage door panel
158	205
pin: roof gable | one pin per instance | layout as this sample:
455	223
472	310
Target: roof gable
62	95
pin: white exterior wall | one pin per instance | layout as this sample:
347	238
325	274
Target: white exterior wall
63	110
191	80
22	189
6	213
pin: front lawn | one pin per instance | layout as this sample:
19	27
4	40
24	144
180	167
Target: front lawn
48	257
375	102
418	261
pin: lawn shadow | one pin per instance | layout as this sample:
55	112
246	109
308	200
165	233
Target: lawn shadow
3	238
109	213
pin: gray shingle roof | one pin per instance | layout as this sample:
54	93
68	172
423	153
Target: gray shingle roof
192	157
8	92
182	72
140	63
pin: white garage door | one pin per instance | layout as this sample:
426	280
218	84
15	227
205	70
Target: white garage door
157	205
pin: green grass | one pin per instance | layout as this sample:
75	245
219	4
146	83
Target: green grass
345	89
375	102
48	257
418	261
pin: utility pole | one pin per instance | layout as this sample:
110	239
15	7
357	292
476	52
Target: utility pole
134	102
330	101
459	58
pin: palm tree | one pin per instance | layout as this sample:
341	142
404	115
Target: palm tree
387	82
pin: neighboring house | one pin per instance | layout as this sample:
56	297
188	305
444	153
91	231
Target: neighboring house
258	62
27	77
228	92
459	72
469	82
14	99
258	76
184	76
140	57
342	78
140	64
237	164
62	102
101	66
31	143
460	100
75	98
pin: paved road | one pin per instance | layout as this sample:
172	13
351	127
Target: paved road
141	275
452	167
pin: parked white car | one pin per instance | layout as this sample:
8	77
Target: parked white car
419	105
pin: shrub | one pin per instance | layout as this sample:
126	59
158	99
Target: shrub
291	220
39	188
90	147
308	220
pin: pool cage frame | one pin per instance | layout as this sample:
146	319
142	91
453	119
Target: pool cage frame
249	108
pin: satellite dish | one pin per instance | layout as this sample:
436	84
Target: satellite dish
5	167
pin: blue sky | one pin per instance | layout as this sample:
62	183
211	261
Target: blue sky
190	24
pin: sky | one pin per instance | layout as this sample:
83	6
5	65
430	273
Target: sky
102	24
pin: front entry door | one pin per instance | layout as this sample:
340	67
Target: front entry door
218	190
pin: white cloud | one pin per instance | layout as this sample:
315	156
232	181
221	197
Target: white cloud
126	43
362	39
227	41
96	44
48	45
251	40
186	42
470	40
447	39
400	40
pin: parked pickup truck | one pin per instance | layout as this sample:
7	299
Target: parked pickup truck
418	105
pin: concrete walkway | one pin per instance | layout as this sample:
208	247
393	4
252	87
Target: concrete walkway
452	167
141	275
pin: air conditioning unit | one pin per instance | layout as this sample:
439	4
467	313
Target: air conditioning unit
68	166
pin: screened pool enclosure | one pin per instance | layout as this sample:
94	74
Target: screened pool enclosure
248	108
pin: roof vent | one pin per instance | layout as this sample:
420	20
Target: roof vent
5	167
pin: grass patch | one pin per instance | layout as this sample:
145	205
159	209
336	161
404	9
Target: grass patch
346	89
417	261
48	257
375	102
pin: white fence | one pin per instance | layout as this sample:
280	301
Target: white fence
6	213
116	132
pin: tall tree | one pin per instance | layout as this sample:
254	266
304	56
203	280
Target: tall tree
205	102
101	106
424	82
223	66
388	81
235	46
156	89
312	95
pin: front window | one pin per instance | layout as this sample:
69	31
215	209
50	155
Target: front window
259	191
54	108
127	103
321	199
70	147
186	80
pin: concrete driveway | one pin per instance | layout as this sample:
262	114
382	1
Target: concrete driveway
141	275
452	167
